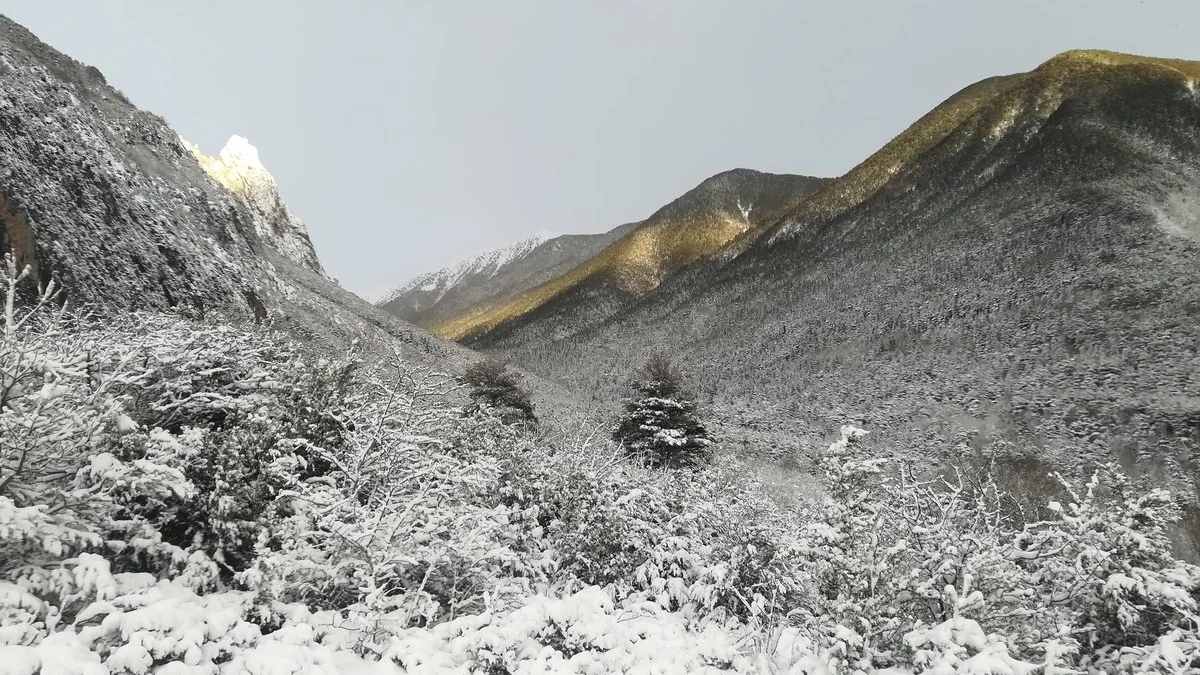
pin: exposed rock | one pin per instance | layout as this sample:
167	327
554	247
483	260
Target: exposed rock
239	169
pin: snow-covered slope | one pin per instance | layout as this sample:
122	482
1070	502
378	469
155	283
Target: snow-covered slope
430	298
426	289
106	200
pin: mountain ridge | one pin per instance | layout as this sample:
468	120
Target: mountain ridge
688	229
992	104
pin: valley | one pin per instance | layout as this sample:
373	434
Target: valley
939	414
1002	280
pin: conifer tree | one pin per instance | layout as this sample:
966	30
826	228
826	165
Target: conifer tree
660	422
494	385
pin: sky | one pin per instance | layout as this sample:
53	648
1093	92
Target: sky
411	134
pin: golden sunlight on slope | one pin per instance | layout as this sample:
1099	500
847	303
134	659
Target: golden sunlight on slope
995	105
988	109
635	263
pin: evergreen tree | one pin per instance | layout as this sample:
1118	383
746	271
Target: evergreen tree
660	422
494	385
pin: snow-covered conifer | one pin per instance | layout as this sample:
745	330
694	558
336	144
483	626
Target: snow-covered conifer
660	423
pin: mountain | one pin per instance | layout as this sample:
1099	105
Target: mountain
108	201
238	168
433	298
1016	274
630	260
423	292
494	275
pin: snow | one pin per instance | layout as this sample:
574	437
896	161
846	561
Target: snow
486	264
338	582
239	153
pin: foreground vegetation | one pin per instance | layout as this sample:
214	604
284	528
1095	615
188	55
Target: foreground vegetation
178	497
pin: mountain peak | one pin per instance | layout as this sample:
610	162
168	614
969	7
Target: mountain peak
1093	60
480	266
240	170
239	153
991	109
237	166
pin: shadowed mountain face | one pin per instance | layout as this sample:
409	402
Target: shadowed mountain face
1017	274
107	199
109	202
640	255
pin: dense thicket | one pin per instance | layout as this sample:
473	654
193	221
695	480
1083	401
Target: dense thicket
180	497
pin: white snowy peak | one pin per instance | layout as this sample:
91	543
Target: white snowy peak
485	265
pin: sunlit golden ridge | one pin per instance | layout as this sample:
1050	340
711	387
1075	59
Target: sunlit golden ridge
636	263
994	105
640	261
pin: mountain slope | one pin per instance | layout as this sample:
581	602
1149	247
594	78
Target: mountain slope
988	112
434	297
109	202
689	229
1022	281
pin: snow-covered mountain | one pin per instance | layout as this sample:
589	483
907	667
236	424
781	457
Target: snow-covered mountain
433	286
110	203
637	257
1017	271
431	298
462	298
425	290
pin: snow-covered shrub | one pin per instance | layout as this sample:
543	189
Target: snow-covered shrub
494	385
197	498
935	574
72	503
183	497
698	544
407	519
1106	567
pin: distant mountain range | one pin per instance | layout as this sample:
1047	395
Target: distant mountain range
478	295
433	298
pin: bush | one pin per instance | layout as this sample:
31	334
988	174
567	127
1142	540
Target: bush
181	497
934	574
493	385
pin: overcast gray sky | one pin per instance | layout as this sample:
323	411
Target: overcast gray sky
411	134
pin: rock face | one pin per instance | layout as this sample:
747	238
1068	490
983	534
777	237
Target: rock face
107	200
239	169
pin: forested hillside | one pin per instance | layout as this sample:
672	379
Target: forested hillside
1014	276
